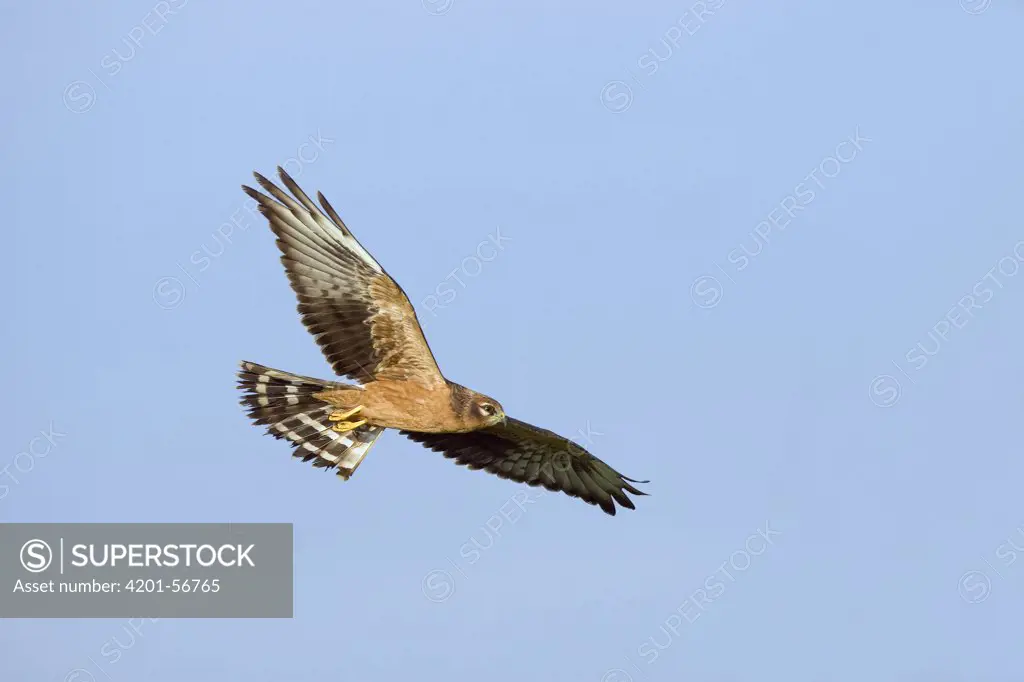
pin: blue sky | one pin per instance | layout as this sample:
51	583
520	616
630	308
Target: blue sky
822	389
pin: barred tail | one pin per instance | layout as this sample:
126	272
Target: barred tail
285	403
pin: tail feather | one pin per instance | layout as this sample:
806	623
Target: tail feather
285	403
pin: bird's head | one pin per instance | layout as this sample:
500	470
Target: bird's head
486	411
476	410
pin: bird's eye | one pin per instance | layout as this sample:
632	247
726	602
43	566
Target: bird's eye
488	409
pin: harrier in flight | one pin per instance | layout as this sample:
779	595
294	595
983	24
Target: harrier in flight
368	330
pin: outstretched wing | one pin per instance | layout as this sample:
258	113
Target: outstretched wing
361	318
535	456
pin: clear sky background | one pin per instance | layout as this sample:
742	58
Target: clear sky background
627	156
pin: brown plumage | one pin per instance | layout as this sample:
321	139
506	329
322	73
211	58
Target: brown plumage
368	330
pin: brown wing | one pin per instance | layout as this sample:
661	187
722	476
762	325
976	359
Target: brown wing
528	454
361	318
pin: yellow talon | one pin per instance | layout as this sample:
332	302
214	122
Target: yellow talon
343	426
341	416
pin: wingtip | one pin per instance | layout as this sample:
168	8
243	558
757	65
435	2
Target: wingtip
263	182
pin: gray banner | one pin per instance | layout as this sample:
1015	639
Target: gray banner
153	570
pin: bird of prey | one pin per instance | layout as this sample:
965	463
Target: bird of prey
369	332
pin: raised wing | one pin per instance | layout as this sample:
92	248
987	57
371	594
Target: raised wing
538	457
360	317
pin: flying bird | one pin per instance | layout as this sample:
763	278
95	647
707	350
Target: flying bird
369	332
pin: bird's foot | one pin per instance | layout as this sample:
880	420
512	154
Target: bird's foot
343	425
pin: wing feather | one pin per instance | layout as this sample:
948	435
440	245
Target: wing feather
360	317
535	456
